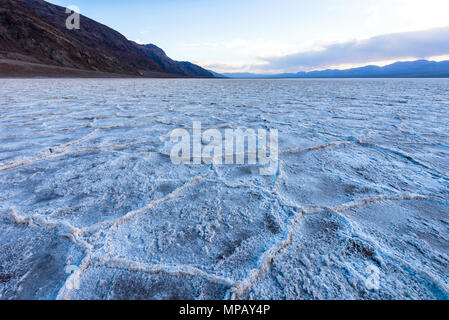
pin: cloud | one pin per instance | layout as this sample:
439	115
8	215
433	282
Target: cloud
231	67
254	49
396	46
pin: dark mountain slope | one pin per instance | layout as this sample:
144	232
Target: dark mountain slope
182	68
28	37
34	31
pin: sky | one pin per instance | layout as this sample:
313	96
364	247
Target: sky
274	36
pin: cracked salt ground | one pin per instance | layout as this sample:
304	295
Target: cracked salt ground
86	182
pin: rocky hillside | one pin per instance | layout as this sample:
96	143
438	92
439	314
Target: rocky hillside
33	31
182	68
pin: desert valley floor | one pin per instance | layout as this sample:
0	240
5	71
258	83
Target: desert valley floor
91	207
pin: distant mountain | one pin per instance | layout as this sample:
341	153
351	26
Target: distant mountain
216	74
409	69
33	32
181	68
248	75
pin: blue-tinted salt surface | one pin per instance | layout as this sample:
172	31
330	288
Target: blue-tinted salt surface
91	207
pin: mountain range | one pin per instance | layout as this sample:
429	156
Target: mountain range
34	41
407	69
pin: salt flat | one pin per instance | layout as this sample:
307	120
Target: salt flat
91	207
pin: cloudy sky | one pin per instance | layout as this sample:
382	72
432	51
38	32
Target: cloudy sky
273	36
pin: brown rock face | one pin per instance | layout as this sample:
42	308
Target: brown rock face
35	31
181	68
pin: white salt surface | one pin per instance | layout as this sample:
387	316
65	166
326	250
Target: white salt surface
86	182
